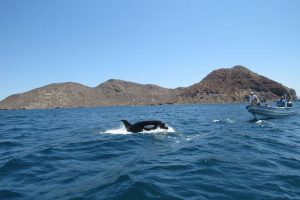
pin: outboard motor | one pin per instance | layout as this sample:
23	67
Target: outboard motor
289	104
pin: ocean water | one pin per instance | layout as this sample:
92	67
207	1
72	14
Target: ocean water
209	152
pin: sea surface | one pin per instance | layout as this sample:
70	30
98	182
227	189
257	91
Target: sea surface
211	151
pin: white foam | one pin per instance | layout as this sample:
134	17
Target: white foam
259	122
229	120
122	130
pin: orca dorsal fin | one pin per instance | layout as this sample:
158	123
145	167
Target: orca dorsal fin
126	123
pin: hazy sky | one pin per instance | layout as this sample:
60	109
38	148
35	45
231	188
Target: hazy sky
170	43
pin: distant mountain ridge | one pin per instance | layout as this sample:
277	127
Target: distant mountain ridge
226	85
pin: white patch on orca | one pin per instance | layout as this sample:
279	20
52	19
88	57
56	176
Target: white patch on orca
149	126
161	130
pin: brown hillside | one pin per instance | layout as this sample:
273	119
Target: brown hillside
234	85
222	85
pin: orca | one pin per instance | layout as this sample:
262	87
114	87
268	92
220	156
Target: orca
144	125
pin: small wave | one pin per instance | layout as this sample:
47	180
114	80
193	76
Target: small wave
260	122
8	144
263	123
230	120
122	130
226	121
13	165
9	194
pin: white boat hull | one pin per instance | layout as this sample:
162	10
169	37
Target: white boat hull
267	112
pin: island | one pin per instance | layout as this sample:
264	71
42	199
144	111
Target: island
225	85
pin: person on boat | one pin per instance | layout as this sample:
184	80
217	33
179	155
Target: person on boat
253	99
280	102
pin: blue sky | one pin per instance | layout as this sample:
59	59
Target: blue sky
170	43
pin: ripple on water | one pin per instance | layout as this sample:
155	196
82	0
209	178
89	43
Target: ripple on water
213	152
9	144
13	165
10	194
145	190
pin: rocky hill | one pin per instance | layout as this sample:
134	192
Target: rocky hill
118	92
234	85
220	86
109	93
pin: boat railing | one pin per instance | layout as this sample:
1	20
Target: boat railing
267	107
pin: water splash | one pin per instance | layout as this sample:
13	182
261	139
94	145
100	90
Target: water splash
260	122
122	130
266	124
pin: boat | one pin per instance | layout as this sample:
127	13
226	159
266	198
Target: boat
267	112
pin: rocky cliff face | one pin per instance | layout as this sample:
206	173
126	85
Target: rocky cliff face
234	85
222	85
